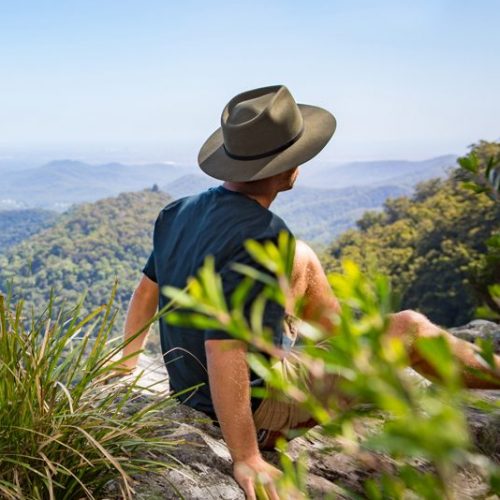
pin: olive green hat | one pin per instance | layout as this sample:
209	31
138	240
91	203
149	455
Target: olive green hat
263	133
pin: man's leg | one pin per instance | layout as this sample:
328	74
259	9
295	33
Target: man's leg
278	416
309	281
410	326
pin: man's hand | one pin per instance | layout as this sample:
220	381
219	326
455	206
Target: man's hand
254	475
230	389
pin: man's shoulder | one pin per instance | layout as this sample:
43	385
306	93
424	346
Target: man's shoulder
174	206
266	228
278	223
239	215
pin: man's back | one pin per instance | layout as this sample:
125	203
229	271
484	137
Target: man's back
265	135
216	222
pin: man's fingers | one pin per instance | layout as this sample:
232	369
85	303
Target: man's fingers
266	487
249	490
257	479
272	492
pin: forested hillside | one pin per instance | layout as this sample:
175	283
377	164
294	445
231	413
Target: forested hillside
431	244
313	214
17	225
319	215
85	251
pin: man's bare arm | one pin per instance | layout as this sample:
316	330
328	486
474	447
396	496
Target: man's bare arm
310	286
230	390
141	309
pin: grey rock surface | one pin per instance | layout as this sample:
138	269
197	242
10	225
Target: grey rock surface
201	463
479	328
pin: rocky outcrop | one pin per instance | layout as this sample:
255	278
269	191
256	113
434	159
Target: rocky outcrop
202	465
479	328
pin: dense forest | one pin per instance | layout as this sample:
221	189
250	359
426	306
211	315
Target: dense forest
17	225
432	245
85	251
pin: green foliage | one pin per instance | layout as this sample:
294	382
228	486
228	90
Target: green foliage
293	480
17	225
64	433
204	296
481	171
319	215
418	423
432	246
481	168
84	252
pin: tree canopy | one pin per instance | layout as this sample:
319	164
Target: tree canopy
85	251
432	245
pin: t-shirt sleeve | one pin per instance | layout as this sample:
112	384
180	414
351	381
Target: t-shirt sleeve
149	269
273	312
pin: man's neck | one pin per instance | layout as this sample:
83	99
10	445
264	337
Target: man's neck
261	196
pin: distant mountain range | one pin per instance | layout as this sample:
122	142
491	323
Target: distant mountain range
59	184
189	184
328	200
325	201
376	173
319	215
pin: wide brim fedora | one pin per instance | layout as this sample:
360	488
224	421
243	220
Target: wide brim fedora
264	132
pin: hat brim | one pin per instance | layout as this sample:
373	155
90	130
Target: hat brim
319	126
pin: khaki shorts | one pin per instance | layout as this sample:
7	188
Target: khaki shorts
278	415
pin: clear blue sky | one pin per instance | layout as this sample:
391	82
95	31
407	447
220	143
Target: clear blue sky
405	79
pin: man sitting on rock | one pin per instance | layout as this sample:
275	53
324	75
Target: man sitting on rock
264	137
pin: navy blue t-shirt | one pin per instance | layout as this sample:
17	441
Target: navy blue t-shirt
216	222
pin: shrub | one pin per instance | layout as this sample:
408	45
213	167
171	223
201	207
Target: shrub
419	423
64	432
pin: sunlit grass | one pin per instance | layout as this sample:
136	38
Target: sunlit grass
66	427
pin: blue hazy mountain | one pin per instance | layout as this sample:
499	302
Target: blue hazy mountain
363	173
189	184
326	200
319	215
59	184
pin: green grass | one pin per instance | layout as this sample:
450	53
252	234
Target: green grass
66	427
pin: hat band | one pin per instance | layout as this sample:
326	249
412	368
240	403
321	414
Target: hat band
269	153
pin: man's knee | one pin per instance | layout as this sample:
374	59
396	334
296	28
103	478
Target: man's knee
409	317
408	322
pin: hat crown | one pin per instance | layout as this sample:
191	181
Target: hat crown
260	121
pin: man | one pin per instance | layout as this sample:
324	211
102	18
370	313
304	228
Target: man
264	137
